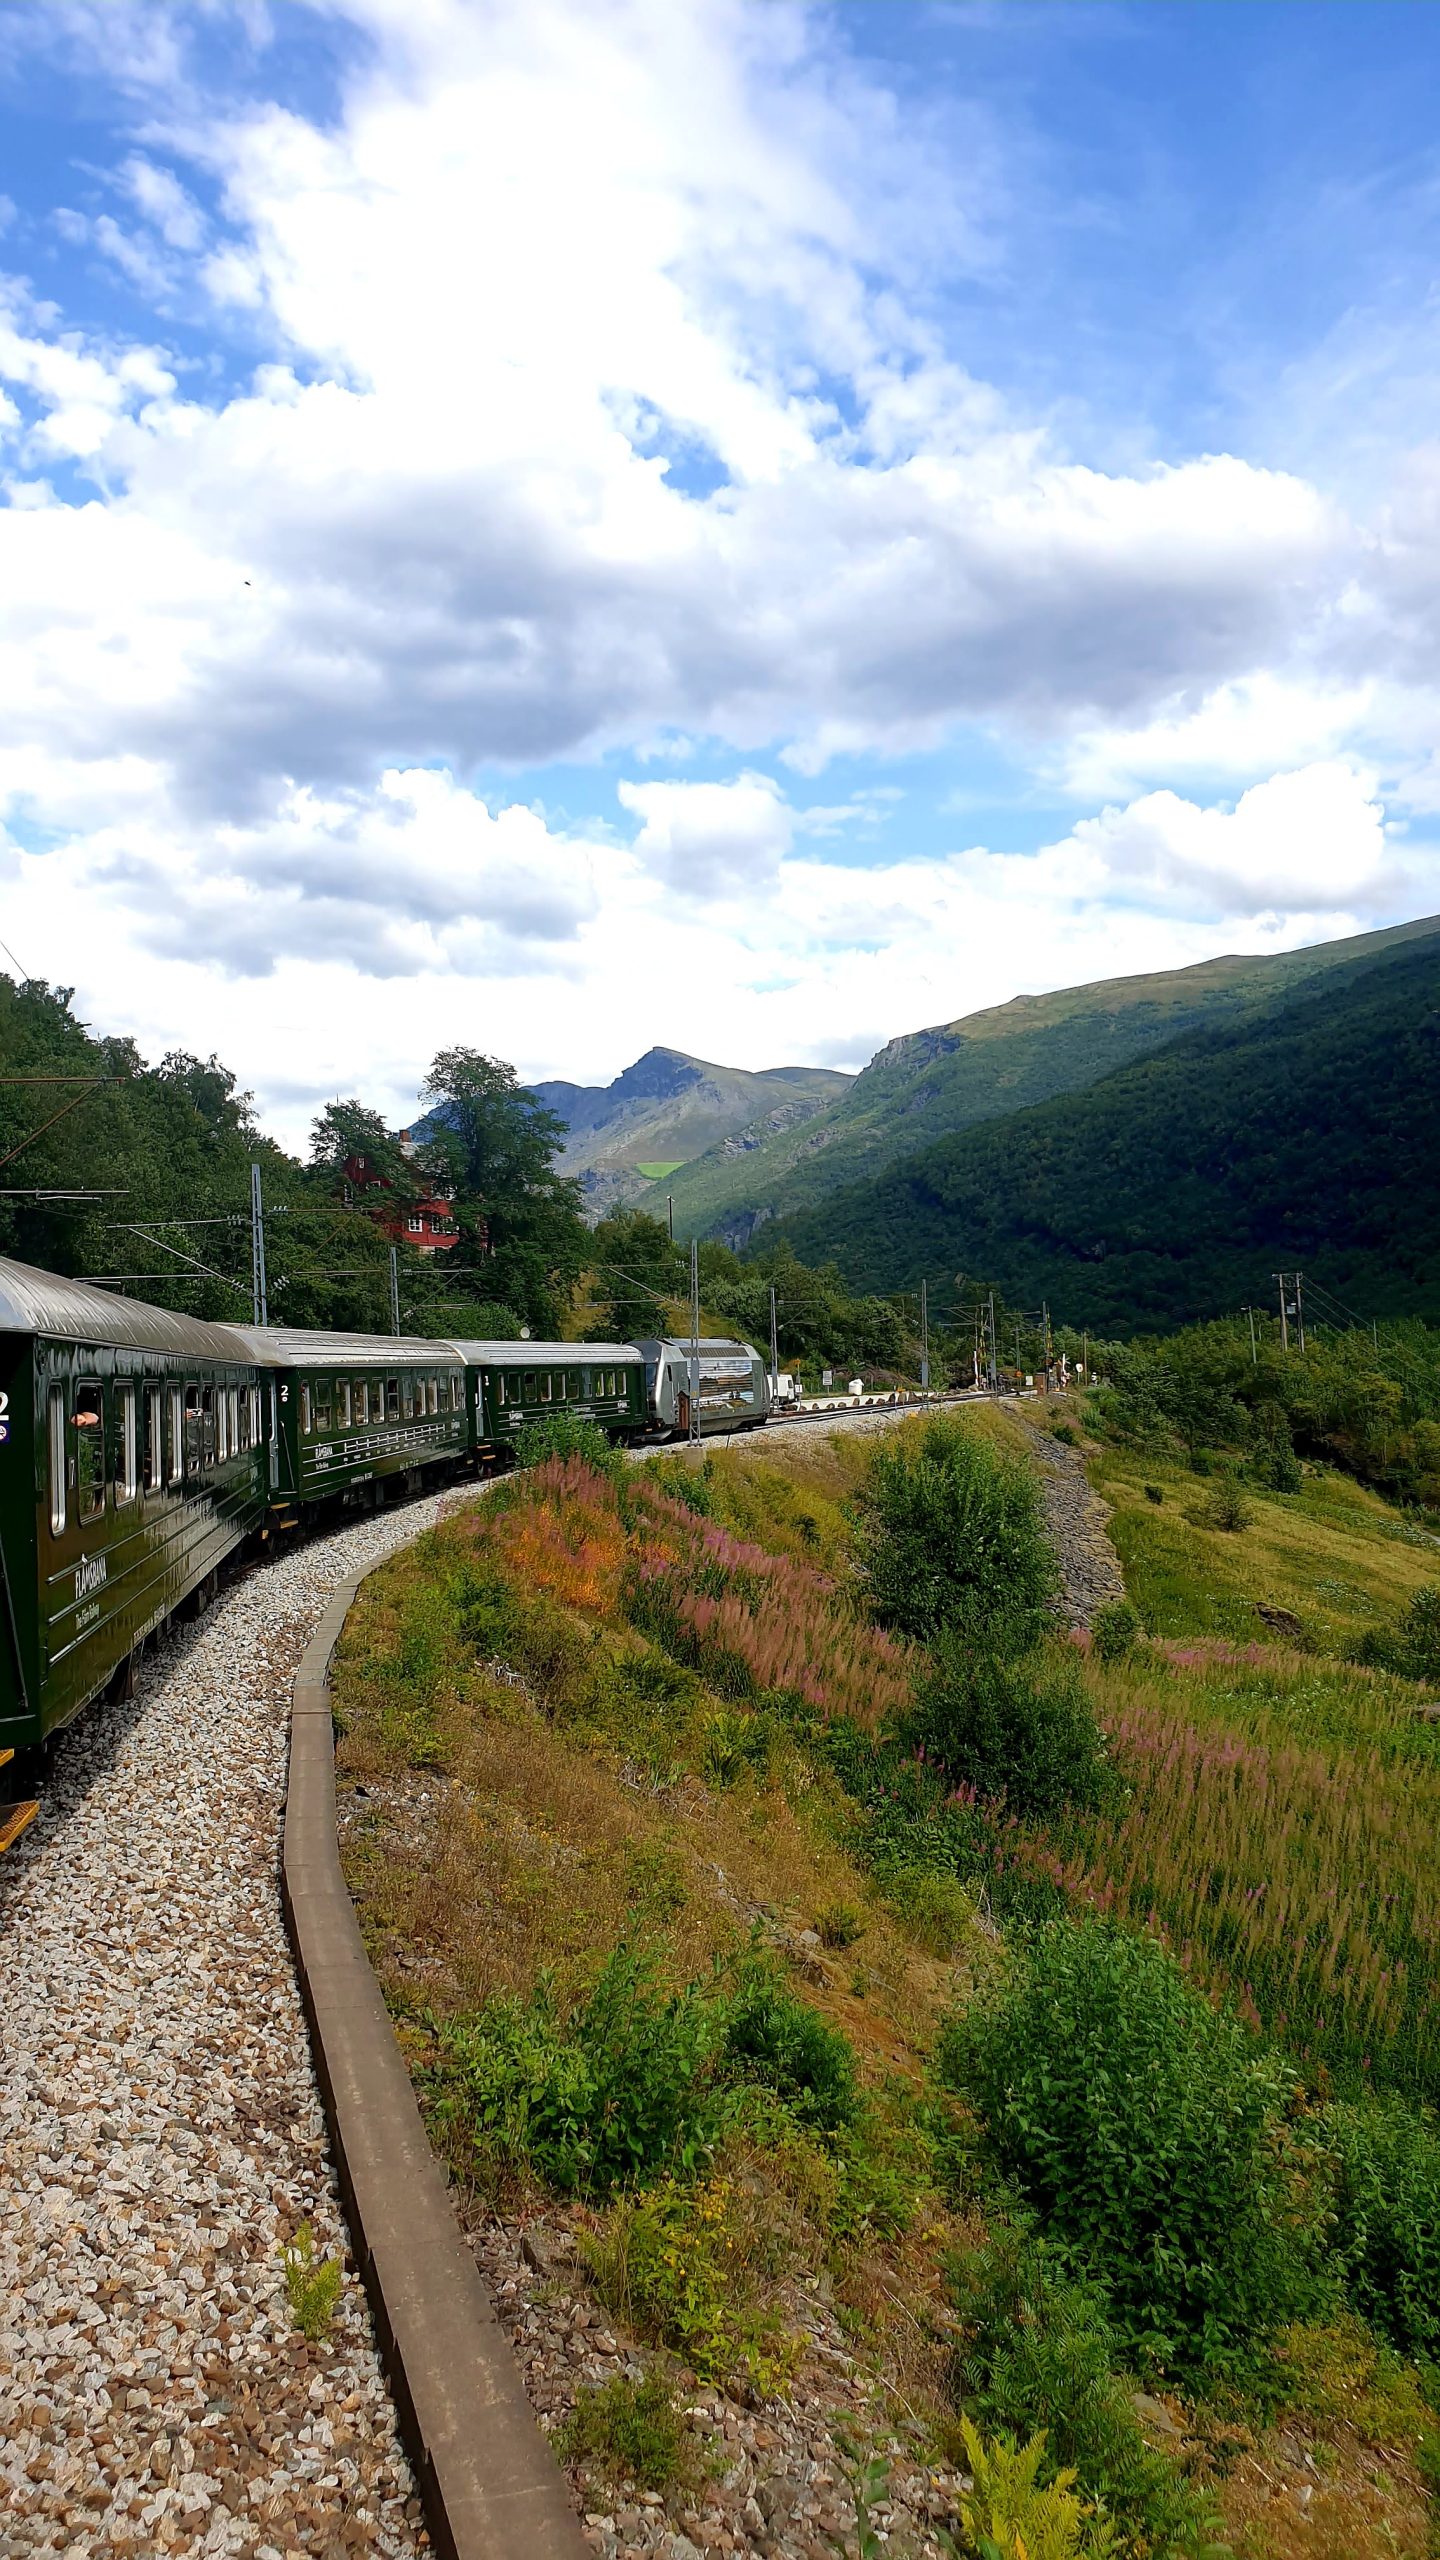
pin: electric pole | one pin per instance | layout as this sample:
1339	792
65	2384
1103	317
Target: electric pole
994	1366
924	1339
1300	1306
774	1347
1254	1352
394	1290
1045	1329
258	1295
670	1213
695	1340
1284	1314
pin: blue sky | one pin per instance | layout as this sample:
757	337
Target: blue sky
573	524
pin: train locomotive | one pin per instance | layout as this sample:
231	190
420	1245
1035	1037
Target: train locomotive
140	1449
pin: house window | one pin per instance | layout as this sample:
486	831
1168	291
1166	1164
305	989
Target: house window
416	1226
89	1449
57	1462
154	1438
127	1468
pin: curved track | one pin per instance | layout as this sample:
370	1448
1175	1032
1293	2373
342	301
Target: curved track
161	2133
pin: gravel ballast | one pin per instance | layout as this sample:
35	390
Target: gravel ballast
162	2135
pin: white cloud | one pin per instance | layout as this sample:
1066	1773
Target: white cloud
703	837
593	408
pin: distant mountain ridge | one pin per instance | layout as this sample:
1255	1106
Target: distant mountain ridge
669	1107
1300	1131
928	1084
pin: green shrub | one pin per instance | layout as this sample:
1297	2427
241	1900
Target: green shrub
840	1924
1278	1467
567	1435
1021	1727
677	2264
1039	2354
1227	1507
1386	2237
312	2285
1412	1646
1140	2122
1154	1493
1064	1432
936	1908
951	1536
628	2430
1011	2516
624	2087
775	2041
1115	1629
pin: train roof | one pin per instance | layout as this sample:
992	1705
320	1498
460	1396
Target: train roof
707	1342
42	1302
283	1346
520	1355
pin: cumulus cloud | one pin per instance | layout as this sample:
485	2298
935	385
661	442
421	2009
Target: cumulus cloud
595	407
544	258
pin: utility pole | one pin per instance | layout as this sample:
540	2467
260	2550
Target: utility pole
1045	1329
1019	1363
394	1290
259	1302
1300	1306
994	1369
670	1213
1254	1351
695	1340
1284	1314
1085	1352
774	1347
924	1340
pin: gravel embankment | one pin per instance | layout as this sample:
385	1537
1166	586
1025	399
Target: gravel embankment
161	2132
1078	1522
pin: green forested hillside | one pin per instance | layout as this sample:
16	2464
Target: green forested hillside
926	1085
1305	1132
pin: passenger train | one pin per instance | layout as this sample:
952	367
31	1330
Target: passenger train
139	1449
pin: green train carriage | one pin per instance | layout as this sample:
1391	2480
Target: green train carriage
132	1464
355	1409
510	1384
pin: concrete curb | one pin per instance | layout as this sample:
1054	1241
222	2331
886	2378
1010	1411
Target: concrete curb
491	2488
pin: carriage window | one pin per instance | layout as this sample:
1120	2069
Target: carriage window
322	1404
361	1406
127	1469
546	1382
577	1384
457	1393
306	1423
176	1452
528	1395
432	1395
207	1428
239	1419
392	1399
222	1426
232	1403
500	1387
342	1404
154	1465
255	1433
57	1462
89	1449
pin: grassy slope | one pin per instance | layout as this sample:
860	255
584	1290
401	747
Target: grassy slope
498	1840
1304	1133
924	1086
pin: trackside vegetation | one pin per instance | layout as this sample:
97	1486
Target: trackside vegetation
782	1917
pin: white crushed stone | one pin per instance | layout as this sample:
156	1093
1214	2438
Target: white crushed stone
161	2131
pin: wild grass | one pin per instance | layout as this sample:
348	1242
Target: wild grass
1301	1880
1337	1556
